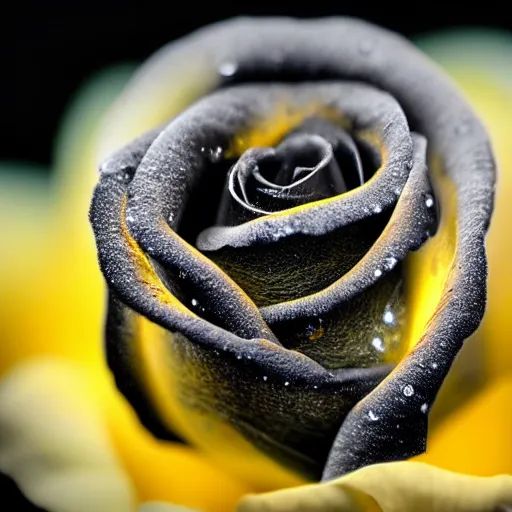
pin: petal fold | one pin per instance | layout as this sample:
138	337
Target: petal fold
392	487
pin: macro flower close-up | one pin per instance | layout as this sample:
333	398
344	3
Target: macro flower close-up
268	271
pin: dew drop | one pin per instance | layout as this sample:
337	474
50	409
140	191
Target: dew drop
286	383
130	219
372	416
378	272
389	317
377	208
227	69
434	365
378	344
424	408
408	390
429	201
239	357
265	377
195	302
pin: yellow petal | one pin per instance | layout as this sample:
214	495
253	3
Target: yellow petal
177	474
163	507
392	487
24	217
480	62
54	443
56	305
477	438
51	291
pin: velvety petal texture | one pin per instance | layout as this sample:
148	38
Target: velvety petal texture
295	259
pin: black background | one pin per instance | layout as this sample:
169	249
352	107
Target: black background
49	49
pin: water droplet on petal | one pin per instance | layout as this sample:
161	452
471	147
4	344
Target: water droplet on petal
378	272
429	201
377	208
408	390
227	69
389	317
378	344
195	302
286	383
424	408
434	365
265	377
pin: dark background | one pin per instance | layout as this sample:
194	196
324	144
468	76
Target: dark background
48	50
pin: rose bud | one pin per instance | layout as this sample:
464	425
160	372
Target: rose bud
295	257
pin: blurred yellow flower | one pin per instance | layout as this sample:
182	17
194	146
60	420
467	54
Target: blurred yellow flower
72	443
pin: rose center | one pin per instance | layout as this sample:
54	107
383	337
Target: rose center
314	162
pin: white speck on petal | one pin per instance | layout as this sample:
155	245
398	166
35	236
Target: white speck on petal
372	416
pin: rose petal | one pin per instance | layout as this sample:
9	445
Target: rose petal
476	438
199	361
48	265
392	487
480	61
163	507
54	442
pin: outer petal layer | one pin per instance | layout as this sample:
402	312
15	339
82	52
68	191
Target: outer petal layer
55	443
392	487
283	400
